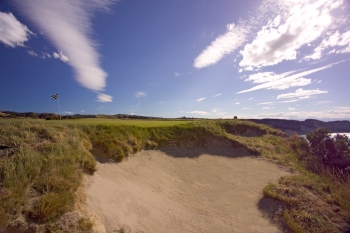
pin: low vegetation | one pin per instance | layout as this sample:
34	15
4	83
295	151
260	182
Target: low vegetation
42	164
317	196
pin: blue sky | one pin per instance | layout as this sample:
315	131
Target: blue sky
198	58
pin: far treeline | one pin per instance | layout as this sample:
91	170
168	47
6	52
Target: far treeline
54	116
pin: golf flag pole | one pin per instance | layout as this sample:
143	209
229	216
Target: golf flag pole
55	97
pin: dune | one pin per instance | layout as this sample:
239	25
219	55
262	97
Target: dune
182	190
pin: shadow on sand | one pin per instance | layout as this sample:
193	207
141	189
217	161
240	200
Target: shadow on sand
273	210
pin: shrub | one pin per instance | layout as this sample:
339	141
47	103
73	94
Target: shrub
330	152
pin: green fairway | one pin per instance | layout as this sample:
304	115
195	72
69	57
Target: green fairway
99	121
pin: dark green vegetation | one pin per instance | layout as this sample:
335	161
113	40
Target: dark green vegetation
42	164
317	197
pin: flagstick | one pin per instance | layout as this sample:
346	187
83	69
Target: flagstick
59	110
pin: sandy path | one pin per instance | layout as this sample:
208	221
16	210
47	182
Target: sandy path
156	192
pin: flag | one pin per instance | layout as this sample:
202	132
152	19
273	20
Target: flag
54	97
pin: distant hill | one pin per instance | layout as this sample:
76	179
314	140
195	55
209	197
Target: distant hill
303	127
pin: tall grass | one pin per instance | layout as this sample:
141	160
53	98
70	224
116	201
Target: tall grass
42	164
316	201
41	170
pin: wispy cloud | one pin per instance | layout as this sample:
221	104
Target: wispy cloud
200	100
104	98
202	113
67	25
32	53
332	113
217	95
276	32
324	102
271	80
60	56
267	108
281	38
12	32
213	112
140	94
301	94
339	43
221	46
279	102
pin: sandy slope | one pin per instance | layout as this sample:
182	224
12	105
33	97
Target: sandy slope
154	191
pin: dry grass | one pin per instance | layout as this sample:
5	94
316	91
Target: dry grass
41	167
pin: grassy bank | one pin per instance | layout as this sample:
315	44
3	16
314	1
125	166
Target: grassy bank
42	164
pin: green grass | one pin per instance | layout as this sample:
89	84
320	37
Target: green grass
43	163
101	121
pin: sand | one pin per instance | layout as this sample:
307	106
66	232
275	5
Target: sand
182	190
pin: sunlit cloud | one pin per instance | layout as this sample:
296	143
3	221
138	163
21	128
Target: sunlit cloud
212	112
276	31
203	113
339	43
60	56
217	95
32	53
67	25
324	102
140	94
12	32
282	37
333	113
279	102
200	100
270	80
221	46
104	98
301	94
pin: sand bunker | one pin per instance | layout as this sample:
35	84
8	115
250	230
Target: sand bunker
156	191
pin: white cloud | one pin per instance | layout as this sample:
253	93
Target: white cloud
333	113
279	102
291	109
271	80
247	108
301	94
277	31
324	102
67	25
203	113
68	112
263	77
212	112
221	46
333	40
104	98
250	99
200	100
177	74
283	36
12	32
32	53
60	56
266	108
140	94
217	95
237	103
